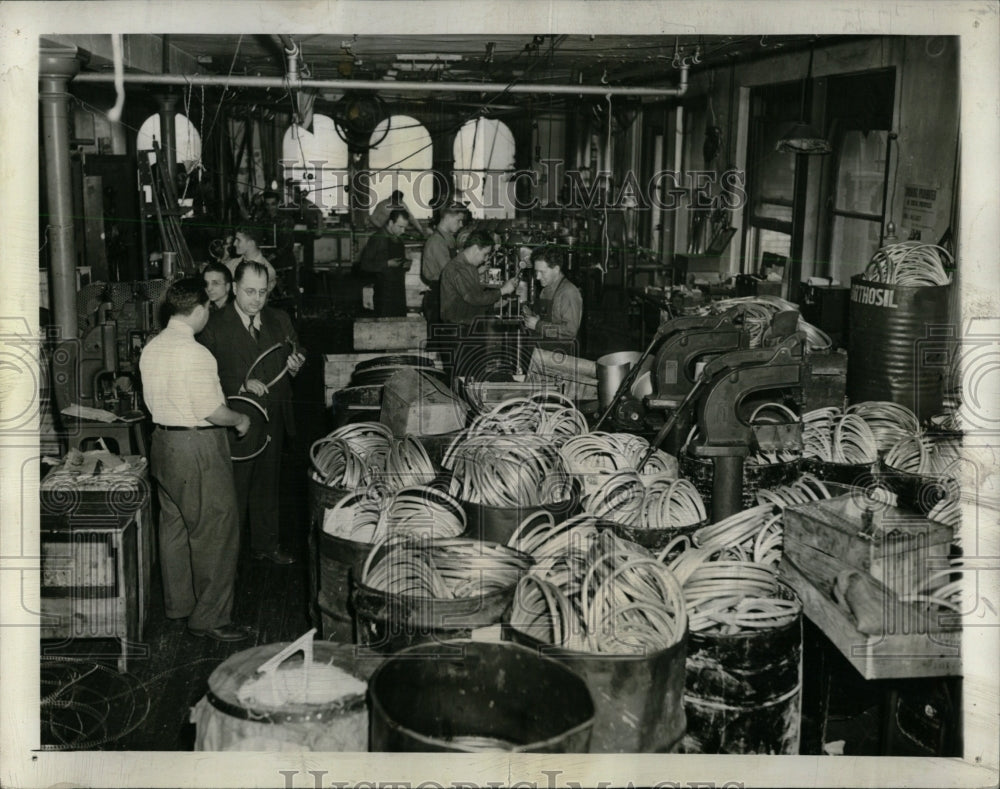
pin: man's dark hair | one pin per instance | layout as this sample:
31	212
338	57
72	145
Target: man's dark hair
270	194
396	213
550	254
450	210
478	238
184	295
253	266
253	233
396	196
218	268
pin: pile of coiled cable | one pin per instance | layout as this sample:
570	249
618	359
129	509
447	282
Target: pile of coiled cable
507	471
547	414
443	569
415	512
805	489
924	455
590	591
595	457
659	502
942	590
832	436
757	314
888	421
910	264
366	453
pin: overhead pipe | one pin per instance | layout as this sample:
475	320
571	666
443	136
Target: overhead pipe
209	80
292	56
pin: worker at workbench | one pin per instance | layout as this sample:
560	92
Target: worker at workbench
463	296
384	258
246	244
438	251
556	314
199	524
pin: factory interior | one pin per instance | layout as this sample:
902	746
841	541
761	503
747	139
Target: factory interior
610	370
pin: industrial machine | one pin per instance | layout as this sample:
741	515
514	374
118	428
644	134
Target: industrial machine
725	394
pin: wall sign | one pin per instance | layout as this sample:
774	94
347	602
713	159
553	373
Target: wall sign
920	206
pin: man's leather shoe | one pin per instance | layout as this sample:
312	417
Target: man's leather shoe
223	633
277	556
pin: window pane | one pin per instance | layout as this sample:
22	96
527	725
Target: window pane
402	159
774	242
853	243
860	172
782	213
316	162
776	171
484	159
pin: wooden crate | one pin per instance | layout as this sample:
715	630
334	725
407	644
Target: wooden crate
889	655
389	334
338	367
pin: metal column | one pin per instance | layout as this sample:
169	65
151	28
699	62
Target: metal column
56	68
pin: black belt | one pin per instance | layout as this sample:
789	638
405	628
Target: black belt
182	427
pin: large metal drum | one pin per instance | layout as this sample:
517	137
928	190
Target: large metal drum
467	696
895	342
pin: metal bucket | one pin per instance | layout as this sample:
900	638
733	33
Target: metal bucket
638	699
466	696
850	474
320	497
654	540
225	723
497	524
892	352
744	691
701	473
388	622
611	371
336	558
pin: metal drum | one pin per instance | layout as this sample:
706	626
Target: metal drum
464	696
892	351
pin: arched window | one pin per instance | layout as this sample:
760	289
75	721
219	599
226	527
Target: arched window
402	158
187	140
484	162
316	162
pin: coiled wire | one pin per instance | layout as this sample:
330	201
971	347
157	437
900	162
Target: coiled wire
410	512
911	264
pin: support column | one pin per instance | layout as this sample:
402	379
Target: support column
56	68
168	143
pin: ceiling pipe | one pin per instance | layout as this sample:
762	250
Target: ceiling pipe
292	57
401	87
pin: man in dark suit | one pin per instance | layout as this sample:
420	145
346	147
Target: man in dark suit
237	335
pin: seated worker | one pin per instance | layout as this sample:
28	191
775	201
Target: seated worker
439	249
380	214
218	285
556	314
463	297
246	243
384	257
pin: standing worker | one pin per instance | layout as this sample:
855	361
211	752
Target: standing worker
384	258
199	530
438	251
237	335
558	310
380	213
463	297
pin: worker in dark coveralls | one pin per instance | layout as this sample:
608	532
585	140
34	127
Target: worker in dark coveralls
384	259
237	335
199	524
557	312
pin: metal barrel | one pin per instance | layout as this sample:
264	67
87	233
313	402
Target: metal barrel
224	722
337	557
498	524
895	342
638	699
469	696
744	690
320	497
387	622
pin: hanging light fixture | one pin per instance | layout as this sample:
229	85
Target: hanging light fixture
803	137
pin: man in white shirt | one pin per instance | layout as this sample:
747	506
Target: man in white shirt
199	525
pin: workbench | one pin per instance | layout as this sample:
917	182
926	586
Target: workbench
96	557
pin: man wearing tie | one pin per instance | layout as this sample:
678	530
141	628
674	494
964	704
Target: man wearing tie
237	335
